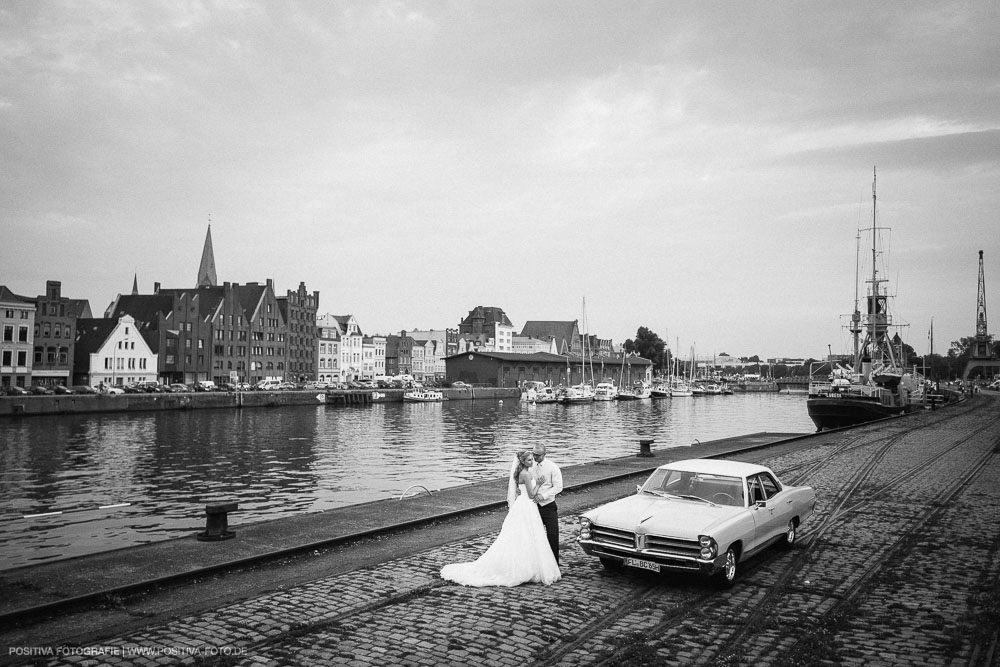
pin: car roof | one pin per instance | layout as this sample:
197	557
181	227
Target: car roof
716	467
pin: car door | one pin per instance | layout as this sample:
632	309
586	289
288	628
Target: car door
776	505
760	514
779	502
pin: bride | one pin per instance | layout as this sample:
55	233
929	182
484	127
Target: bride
521	551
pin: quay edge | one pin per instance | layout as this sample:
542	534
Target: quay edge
102	403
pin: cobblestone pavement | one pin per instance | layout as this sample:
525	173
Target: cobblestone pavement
899	566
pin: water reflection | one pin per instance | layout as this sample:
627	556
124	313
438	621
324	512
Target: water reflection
286	461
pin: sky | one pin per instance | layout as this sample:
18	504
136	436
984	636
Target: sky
701	169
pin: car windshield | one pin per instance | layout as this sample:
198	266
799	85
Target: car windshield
716	489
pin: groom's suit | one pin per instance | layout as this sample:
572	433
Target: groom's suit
550	484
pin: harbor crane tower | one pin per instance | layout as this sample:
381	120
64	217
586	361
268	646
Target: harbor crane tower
983	362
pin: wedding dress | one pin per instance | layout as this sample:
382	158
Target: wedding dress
520	554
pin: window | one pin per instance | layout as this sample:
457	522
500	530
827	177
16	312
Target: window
7	357
22	357
8	332
22	334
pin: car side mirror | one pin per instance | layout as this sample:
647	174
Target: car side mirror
761	503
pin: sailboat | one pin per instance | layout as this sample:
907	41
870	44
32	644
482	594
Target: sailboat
876	384
678	387
583	392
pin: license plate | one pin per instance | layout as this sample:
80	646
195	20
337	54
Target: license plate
642	564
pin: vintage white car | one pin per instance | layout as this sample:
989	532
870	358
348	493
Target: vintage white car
700	515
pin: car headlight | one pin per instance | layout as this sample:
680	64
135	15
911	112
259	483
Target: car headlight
585	524
709	548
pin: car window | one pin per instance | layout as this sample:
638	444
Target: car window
756	490
718	489
771	486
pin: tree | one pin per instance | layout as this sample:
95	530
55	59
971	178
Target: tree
649	345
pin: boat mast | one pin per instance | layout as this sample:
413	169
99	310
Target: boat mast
873	305
877	340
856	316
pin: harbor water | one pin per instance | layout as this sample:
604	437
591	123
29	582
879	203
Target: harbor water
78	484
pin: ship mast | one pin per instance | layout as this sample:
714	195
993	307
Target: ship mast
877	339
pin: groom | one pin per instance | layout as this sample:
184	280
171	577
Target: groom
550	484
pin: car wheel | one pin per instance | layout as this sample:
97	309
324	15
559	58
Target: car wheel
728	574
790	535
611	564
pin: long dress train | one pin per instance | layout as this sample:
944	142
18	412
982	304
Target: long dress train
520	554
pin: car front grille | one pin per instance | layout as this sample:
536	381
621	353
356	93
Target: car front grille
658	544
613	537
671	546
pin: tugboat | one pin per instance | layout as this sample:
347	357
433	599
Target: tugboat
876	384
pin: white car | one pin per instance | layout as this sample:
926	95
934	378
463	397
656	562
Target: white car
700	515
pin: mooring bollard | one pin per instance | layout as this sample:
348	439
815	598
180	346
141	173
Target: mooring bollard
217	522
644	448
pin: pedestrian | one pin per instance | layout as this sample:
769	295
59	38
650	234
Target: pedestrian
550	485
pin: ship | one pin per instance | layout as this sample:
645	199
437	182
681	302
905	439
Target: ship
874	384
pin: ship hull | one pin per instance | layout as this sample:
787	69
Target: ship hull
838	412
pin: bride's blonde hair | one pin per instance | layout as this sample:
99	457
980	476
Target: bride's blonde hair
524	462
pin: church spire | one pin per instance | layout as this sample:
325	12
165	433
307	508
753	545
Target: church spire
206	272
135	283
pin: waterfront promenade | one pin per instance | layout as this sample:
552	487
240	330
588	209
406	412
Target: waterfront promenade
899	566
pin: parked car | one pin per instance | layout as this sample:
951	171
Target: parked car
113	390
205	385
62	389
287	386
14	390
458	384
149	386
39	390
133	389
995	384
177	387
83	389
268	385
700	515
319	384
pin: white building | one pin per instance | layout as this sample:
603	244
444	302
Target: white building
119	354
373	357
529	345
340	349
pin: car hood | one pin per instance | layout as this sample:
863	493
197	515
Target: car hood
643	513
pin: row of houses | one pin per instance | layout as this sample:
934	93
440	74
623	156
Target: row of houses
246	333
233	332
